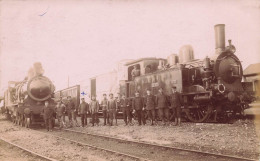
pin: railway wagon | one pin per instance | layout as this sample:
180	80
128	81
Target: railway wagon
24	100
73	91
76	94
104	84
211	88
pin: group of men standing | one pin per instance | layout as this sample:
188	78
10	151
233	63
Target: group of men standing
165	106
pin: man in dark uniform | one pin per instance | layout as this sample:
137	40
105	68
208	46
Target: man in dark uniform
104	105
60	112
138	106
83	110
48	115
112	109
162	105
149	102
125	108
176	102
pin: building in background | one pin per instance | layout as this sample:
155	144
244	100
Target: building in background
252	74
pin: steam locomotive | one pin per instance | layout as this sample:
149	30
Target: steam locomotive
24	100
211	88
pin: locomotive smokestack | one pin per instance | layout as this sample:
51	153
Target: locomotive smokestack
220	38
38	70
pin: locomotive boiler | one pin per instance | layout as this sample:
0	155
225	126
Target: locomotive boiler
210	87
24	100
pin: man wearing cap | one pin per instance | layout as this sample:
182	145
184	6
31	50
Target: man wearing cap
71	110
104	105
83	110
93	107
48	115
125	108
60	112
176	102
112	109
138	106
162	105
149	102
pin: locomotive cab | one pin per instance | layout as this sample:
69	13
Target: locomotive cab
145	66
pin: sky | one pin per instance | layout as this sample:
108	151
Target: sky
81	39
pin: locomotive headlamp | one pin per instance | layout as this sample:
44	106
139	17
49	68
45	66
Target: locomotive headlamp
221	88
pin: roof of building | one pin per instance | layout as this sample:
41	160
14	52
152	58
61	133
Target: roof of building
142	59
252	69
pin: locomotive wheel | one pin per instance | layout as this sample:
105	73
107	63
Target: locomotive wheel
199	114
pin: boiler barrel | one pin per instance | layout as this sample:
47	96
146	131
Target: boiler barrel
40	88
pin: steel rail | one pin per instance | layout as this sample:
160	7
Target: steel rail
162	146
95	147
27	150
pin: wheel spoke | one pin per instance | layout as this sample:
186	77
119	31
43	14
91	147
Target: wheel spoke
199	115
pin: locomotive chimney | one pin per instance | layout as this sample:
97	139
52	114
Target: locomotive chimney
220	38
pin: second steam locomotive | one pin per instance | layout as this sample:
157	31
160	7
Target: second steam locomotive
210	88
24	100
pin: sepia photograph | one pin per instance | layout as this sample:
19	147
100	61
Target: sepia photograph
129	80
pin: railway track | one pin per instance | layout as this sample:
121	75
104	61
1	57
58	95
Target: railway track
37	155
133	150
151	148
123	155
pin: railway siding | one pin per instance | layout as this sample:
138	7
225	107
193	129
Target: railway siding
204	134
238	139
147	150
